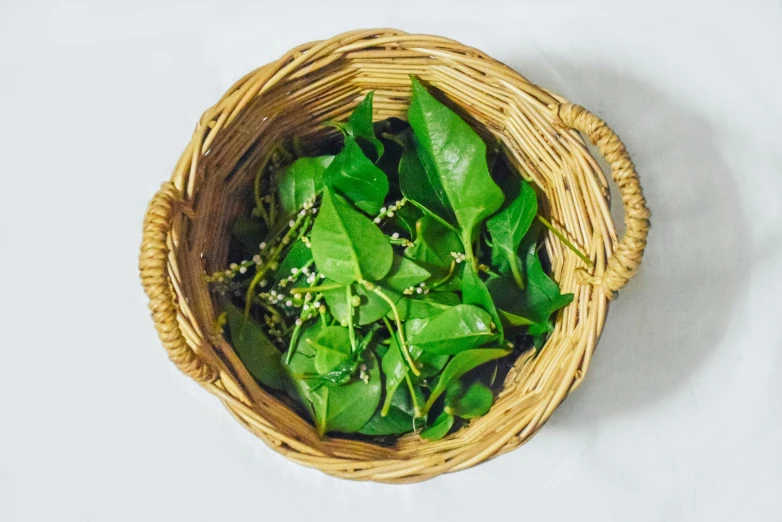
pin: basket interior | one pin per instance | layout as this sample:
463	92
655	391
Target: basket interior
503	107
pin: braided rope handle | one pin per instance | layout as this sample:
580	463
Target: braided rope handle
627	256
153	265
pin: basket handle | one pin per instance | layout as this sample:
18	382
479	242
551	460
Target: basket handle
624	262
153	265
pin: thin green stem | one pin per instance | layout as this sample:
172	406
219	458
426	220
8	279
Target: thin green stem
514	268
391	137
398	320
293	343
564	240
448	276
352	332
320	288
387	403
434	216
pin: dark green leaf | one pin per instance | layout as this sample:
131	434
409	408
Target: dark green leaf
457	329
400	416
419	186
360	123
332	348
298	256
404	273
354	176
346	245
460	364
425	306
371	308
454	160
474	292
509	225
406	217
433	244
540	298
254	349
440	428
468	401
300	181
249	232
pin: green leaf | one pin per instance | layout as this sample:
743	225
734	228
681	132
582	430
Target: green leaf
426	306
454	160
400	417
394	366
371	308
535	304
404	273
433	244
406	217
418	186
345	408
468	401
474	292
354	176
509	225
332	348
440	428
460	364
298	256
300	181
360	123
254	349
346	245
457	329
249	232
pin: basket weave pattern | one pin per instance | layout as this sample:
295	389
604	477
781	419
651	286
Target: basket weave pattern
187	227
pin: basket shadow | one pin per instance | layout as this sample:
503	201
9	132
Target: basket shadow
670	318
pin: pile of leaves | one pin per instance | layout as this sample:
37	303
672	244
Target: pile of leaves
380	286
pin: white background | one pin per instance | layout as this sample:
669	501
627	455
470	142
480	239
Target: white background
680	417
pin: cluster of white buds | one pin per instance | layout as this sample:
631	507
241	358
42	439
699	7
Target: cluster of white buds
458	256
420	289
229	273
274	323
388	212
306	241
309	207
363	373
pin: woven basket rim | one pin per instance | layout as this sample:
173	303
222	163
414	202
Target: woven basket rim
540	131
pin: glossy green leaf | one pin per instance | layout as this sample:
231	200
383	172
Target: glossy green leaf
332	348
424	190
439	428
425	306
404	273
511	223
468	401
457	329
400	417
300	181
254	349
460	364
475	292
249	232
454	161
406	217
298	256
354	176
346	245
433	244
344	408
372	307
361	126
534	305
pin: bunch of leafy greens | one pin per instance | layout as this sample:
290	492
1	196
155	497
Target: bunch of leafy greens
380	286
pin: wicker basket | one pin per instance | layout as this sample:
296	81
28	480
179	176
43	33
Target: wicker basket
187	227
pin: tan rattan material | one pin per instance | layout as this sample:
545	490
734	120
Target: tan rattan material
187	225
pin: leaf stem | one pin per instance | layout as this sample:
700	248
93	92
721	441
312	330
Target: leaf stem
514	268
400	331
320	288
387	403
352	332
447	277
564	240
